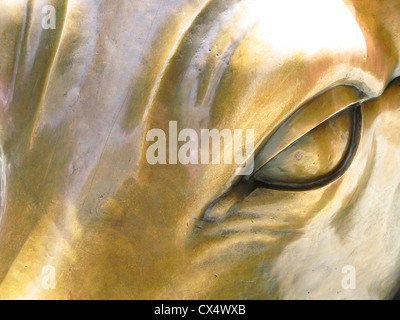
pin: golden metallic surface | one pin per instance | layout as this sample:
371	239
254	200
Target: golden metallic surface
78	194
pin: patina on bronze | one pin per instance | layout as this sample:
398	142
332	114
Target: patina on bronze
316	80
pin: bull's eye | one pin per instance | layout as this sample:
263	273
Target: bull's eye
312	148
297	157
316	158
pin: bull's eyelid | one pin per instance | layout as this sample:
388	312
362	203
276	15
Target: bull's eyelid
306	119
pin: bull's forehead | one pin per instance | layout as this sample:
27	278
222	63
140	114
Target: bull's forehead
241	57
228	63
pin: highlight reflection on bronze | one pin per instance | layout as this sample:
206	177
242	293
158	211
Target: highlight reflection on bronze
315	80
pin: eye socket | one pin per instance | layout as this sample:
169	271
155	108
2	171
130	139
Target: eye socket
317	158
314	160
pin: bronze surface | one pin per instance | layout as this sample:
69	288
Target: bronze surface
78	194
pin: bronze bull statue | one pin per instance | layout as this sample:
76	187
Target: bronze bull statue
314	81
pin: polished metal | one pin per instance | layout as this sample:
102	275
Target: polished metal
81	203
